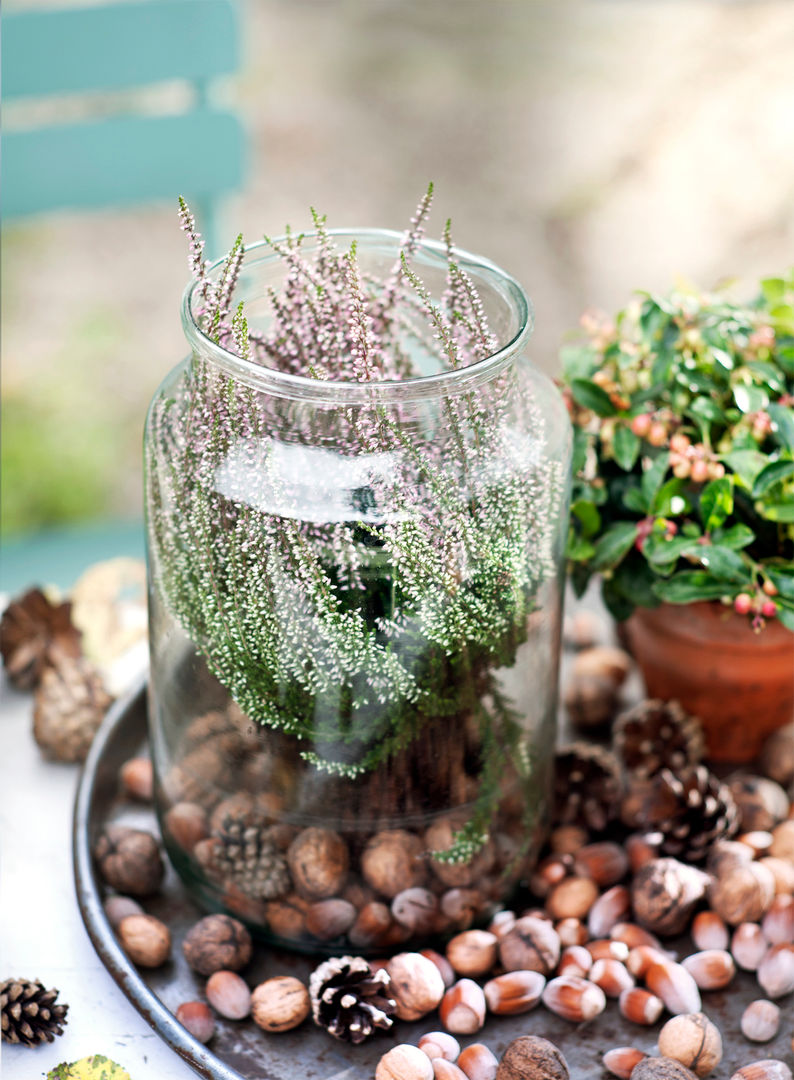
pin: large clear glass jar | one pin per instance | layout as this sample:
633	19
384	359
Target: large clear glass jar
355	594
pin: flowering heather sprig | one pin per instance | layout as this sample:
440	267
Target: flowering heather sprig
198	264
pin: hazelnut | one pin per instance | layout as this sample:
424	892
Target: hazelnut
438	1044
640	1006
693	1040
461	906
605	862
760	1021
146	940
574	998
463	1007
674	985
473	952
572	898
575	960
392	861
478	1062
530	1056
217	942
664	894
514	992
742	893
778	923
137	778
571	932
446	1070
567	839
776	971
129	860
328	919
621	1061
280	1004
608	911
404	1062
416	985
711	969
709	931
782	871
186	823
318	860
768	1069
229	995
782	846
196	1018
445	968
287	918
611	976
501	922
416	909
371	925
749	946
117	907
531	945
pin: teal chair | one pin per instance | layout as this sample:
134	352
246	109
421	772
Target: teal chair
132	156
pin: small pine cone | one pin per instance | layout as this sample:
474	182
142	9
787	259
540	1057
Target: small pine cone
30	628
588	786
657	735
68	707
349	999
246	855
690	812
29	1013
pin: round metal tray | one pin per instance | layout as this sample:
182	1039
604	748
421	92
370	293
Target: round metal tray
240	1050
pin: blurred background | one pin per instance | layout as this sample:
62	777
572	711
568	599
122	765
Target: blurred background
590	147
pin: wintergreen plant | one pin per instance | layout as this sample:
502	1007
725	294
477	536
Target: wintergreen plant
368	632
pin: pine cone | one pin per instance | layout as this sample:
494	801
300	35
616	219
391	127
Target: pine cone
349	999
29	1013
30	627
690	812
588	786
68	707
657	735
246	855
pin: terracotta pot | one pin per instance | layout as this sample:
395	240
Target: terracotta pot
740	683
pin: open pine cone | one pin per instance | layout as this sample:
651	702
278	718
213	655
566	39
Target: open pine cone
68	707
30	628
657	735
28	1012
690	811
587	786
349	999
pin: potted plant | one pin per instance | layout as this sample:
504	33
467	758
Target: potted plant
683	498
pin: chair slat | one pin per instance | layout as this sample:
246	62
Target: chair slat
116	46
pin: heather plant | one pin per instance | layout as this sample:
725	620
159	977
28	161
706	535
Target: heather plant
372	634
684	452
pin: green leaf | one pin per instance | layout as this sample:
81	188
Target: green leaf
723	358
703	408
783	582
588	515
581	441
778	511
592	396
634	579
661	552
690	586
616	602
724	563
769	374
716	503
612	546
626	447
578	549
578	361
633	499
786	617
774	290
736	537
750	399
747	464
653	476
774	472
670	499
783	419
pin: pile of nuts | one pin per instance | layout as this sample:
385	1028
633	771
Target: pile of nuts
594	935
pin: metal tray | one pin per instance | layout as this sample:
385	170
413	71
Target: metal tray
239	1050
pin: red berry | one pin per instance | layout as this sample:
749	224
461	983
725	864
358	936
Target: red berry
641	424
743	604
769	588
657	434
700	471
769	609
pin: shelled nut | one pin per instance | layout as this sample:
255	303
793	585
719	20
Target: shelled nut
280	1003
478	1062
675	986
145	939
709	931
228	994
530	1056
463	1007
573	998
416	985
621	1061
514	992
760	1021
693	1040
758	841
197	1018
712	969
748	946
640	1006
473	952
440	1044
404	1062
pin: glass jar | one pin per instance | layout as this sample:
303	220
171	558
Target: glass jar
355	601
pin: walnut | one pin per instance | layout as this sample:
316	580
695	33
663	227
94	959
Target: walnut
318	860
280	1003
530	1057
392	861
661	1068
439	837
531	945
215	943
664	894
693	1040
129	860
743	893
416	985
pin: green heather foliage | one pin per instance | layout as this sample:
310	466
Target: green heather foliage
684	452
357	633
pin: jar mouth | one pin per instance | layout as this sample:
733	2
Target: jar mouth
286	384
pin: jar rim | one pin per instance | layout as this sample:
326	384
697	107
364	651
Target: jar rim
287	384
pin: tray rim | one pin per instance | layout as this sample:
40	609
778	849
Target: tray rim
101	934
